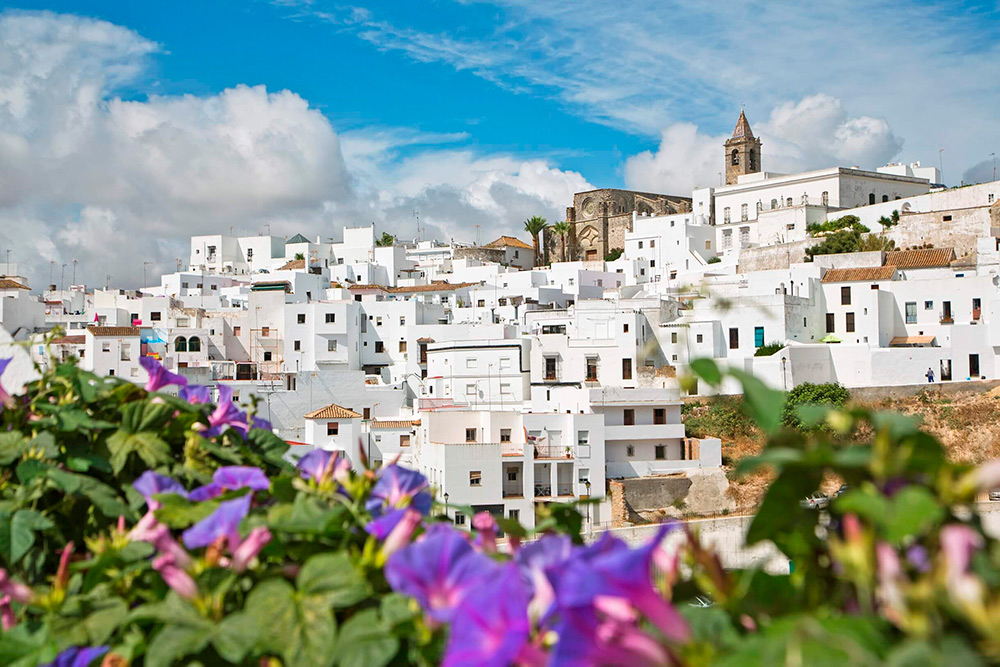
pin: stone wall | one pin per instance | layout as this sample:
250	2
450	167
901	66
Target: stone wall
771	257
960	233
494	255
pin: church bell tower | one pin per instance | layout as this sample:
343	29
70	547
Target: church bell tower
742	151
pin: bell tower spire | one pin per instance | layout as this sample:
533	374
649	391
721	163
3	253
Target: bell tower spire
742	151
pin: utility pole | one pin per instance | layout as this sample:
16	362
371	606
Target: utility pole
75	261
416	214
62	278
941	163
992	155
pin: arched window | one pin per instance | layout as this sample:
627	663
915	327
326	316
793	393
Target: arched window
743	212
788	202
871	198
180	344
753	160
826	198
885	197
736	156
774	204
725	215
194	344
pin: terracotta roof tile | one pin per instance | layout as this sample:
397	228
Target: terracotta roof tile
508	242
69	340
294	264
920	259
436	286
908	341
862	274
8	283
394	424
333	411
115	332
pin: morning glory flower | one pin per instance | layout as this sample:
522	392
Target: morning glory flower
159	376
250	547
223	522
438	570
196	394
491	625
230	478
536	560
323	466
78	656
150	483
592	639
486	528
225	414
262	424
7	618
5	398
17	591
399	487
175	577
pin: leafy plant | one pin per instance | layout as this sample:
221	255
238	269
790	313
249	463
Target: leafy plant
832	394
534	226
386	240
768	349
614	254
714	259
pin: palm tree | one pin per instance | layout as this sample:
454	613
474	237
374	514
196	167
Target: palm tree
534	226
562	229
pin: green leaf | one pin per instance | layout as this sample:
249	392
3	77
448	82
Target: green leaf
763	403
12	445
234	636
24	645
269	445
104	498
29	469
148	445
914	510
17	533
365	642
398	609
867	503
101	624
776	456
300	628
780	513
174	642
707	370
334	577
176	511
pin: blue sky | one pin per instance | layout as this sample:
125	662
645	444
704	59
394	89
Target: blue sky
152	121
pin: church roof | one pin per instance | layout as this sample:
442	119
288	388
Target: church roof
742	130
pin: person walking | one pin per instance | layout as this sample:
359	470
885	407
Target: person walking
930	375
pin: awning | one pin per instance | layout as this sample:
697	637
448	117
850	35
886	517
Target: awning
829	338
911	341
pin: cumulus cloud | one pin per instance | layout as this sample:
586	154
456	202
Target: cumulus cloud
114	182
813	133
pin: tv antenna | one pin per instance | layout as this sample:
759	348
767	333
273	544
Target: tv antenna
416	214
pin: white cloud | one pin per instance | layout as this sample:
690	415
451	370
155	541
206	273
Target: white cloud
114	182
812	133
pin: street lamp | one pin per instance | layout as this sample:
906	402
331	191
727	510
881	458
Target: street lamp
784	381
446	504
586	483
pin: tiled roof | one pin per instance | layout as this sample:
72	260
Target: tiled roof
367	287
294	264
269	285
8	283
967	262
425	339
920	259
508	242
115	332
394	424
742	129
436	286
333	411
69	340
298	238
909	341
859	275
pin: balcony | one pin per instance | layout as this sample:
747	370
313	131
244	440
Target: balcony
513	491
553	451
947	319
545	491
511	449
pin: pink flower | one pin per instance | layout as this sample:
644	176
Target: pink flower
987	476
250	547
402	532
17	591
179	580
958	542
7	618
62	574
484	524
164	541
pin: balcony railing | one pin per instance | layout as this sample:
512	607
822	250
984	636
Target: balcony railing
543	490
553	451
511	449
564	489
513	492
947	319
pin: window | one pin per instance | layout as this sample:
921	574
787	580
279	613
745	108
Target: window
237	331
505	362
180	344
505	435
652	243
194	344
514	515
550	368
470	435
928	305
470	390
661	452
155	316
111	372
512	475
885	198
333	428
911	312
481	303
626	369
366	413
126	352
267	356
402	346
725	215
331	345
265	331
734	338
628	416
829	323
699	338
743	212
625	328
826	198
378	321
659	415
404	440
845	296
990	199
459	519
582	438
774	204
788	201
379	347
871	198
673	337
301	318
629	450
849	322
640	245
297	346
735	158
758	336
475	478
591	369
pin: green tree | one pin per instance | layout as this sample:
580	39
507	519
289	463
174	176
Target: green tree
562	229
614	254
534	226
836	243
386	240
299	255
831	394
870	242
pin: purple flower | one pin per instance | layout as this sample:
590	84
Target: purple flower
399	487
486	527
78	656
150	483
491	625
250	547
385	524
223	522
159	376
7	618
402	532
614	570
262	424
225	414
588	639
196	394
536	560
5	398
918	558
175	577
230	478
322	466
17	591
438	570
164	542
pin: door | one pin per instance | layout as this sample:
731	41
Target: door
977	308
945	373
973	365
758	336
591	255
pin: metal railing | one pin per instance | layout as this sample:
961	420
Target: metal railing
553	451
512	449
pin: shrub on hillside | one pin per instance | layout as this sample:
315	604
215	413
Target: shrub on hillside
768	349
831	394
